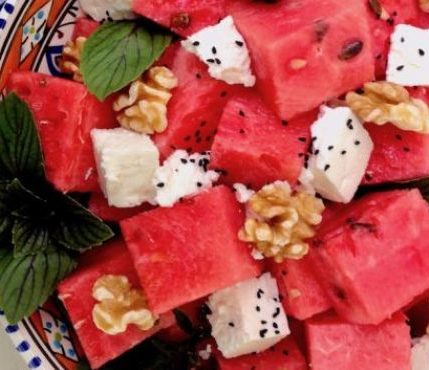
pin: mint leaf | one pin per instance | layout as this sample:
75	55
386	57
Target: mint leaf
76	228
117	53
23	203
30	237
26	282
20	152
5	217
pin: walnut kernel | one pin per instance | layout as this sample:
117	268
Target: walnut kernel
72	52
424	5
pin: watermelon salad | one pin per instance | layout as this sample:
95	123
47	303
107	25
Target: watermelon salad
226	184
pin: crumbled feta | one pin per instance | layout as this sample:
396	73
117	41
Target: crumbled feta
420	353
248	317
408	63
182	175
340	154
224	50
101	10
206	353
126	163
257	255
242	192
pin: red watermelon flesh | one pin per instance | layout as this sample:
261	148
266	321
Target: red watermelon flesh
303	295
373	258
65	113
395	12
76	294
99	206
316	31
188	251
195	109
398	155
282	356
84	27
336	344
254	147
184	17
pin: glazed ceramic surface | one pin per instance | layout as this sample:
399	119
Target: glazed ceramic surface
32	35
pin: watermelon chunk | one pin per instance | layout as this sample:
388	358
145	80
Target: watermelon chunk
336	344
308	63
373	258
99	206
284	355
65	113
184	17
303	295
253	147
84	27
76	294
179	252
195	108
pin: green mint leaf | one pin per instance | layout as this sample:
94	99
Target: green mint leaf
23	203
117	53
30	237
27	282
20	151
75	227
6	220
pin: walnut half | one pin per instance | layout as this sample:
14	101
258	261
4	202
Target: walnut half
384	102
424	5
119	306
144	107
70	63
279	221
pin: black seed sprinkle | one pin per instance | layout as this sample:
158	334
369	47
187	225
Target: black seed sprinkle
275	299
421	52
357	142
259	293
184	160
210	60
277	332
241	113
343	152
239	43
263	322
276	313
402	39
263	332
258	309
192	160
316	152
400	68
196	43
349	124
199	184
231	324
160	185
214	51
217	60
330	147
313	139
275	326
327	167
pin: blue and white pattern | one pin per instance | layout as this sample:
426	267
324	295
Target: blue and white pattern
6	9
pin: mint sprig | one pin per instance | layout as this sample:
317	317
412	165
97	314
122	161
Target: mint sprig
117	53
41	229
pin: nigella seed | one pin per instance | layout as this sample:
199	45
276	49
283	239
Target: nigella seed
276	313
241	113
349	124
275	326
160	185
277	332
231	324
258	309
263	322
263	332
316	152
350	49
275	299
239	43
184	160
330	147
313	139
196	43
210	60
217	60
259	293
343	152
327	167
402	39
192	160
357	142
199	184
214	51
400	68
421	52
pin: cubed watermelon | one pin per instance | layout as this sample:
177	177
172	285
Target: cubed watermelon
282	356
254	147
99	206
318	47
336	344
373	258
190	250
303	295
76	294
65	114
184	17
195	109
84	27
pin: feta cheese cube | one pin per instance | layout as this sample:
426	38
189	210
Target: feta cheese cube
242	192
126	163
420	353
101	10
408	63
340	154
224	50
182	175
248	317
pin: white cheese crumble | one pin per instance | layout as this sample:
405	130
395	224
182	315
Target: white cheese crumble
420	353
248	317
206	353
126	163
224	51
182	175
341	149
100	10
242	192
408	63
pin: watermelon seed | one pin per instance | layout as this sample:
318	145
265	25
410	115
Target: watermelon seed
379	56
263	332
327	167
181	20
349	124
400	68
217	60
259	293
357	142
284	122
302	139
199	184
344	152
316	152
275	299
241	113
406	149
239	43
276	313
184	160
210	60
402	39
351	49
398	137
231	324
275	325
277	332
300	155
321	28
214	51
421	52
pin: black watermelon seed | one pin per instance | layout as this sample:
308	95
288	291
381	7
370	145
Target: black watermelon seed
400	68
277	332
402	39
241	113
340	293
276	313
344	152
184	160
239	43
217	60
199	184
350	49
300	155
316	152
263	322
210	60
258	309
192	160
275	325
